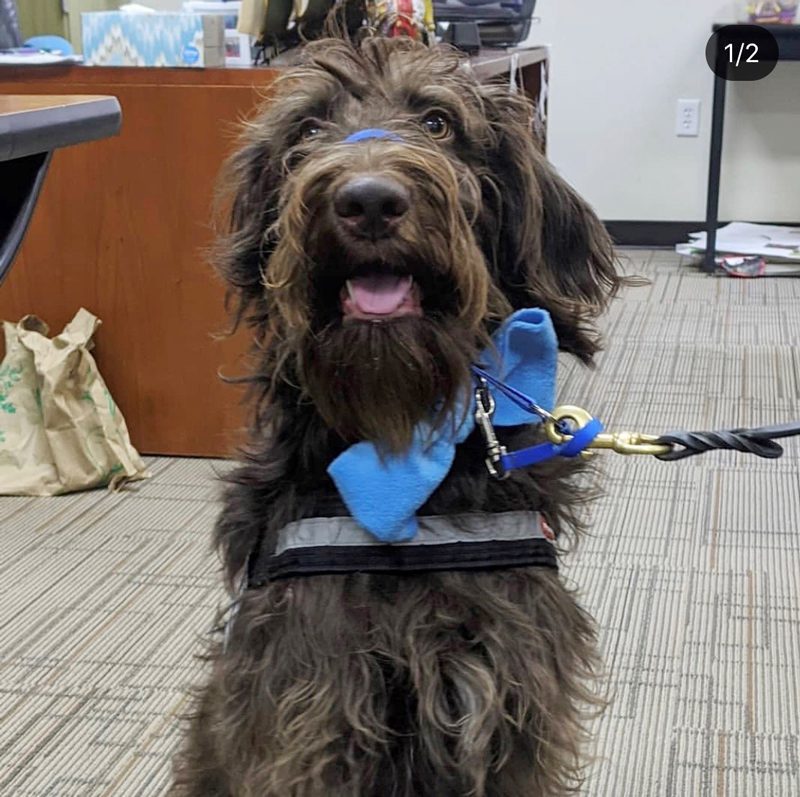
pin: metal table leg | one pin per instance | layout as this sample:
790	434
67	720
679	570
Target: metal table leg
712	203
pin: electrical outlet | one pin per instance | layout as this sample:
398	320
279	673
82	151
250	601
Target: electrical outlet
687	120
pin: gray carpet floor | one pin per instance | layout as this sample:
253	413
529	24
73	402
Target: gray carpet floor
692	569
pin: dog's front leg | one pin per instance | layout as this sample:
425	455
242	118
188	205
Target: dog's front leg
197	772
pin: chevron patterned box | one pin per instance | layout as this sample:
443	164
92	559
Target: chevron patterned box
113	38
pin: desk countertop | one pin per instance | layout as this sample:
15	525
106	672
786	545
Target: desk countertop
487	64
40	123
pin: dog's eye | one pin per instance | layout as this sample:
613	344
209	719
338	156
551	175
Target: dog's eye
309	129
436	125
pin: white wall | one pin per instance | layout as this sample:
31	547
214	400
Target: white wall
74	9
617	70
162	5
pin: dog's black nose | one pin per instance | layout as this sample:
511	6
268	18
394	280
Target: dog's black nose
370	205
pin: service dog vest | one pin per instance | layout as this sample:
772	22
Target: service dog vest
471	541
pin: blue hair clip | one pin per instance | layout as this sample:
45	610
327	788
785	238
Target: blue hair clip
371	132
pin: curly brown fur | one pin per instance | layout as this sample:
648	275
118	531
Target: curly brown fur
453	684
445	684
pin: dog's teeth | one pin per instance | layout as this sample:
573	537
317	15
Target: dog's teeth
349	285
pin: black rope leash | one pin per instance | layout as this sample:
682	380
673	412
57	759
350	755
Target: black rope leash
572	431
760	442
675	445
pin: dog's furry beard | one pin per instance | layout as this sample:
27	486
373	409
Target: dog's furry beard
377	381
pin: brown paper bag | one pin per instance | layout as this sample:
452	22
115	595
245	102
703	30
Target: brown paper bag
60	430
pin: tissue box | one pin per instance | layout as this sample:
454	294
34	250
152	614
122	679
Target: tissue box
114	38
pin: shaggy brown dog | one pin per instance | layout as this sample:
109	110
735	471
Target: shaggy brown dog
426	683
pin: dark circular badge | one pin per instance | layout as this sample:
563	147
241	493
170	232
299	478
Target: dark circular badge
742	52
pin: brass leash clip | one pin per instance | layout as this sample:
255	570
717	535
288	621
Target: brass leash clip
621	442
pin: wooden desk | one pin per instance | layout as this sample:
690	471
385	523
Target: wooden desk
30	129
122	228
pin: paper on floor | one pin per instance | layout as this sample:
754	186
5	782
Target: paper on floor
770	241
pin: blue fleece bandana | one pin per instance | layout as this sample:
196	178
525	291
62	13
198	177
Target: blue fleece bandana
384	492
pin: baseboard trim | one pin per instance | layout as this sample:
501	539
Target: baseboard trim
661	233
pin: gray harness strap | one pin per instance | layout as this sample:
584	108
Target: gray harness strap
473	541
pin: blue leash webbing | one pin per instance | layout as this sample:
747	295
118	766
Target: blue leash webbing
579	439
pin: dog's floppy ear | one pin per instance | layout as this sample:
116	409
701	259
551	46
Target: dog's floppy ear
549	248
247	204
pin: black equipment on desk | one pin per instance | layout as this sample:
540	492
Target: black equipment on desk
502	23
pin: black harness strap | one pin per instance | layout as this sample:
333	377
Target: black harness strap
482	541
388	559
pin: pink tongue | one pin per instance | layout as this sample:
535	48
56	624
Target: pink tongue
379	294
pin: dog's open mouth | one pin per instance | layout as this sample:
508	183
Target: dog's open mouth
380	297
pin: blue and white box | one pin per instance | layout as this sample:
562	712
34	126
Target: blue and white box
113	38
